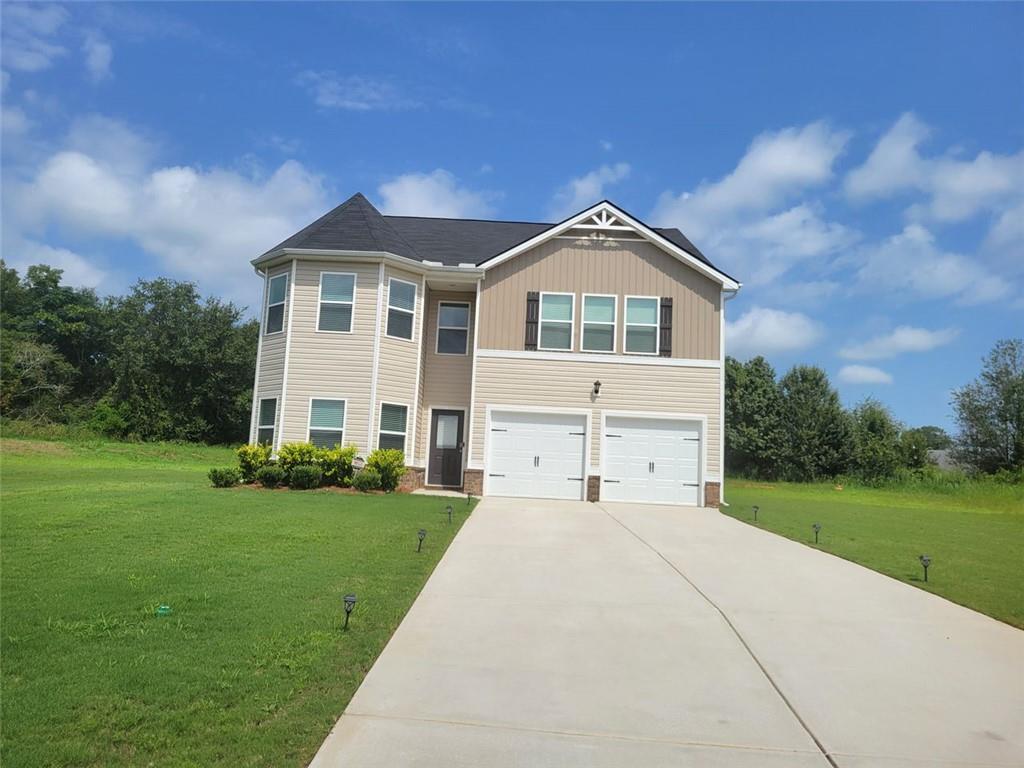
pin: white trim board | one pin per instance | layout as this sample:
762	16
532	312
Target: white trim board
279	435
376	361
598	357
259	357
472	382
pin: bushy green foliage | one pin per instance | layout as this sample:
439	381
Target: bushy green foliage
292	454
816	429
990	412
366	479
336	464
876	454
390	463
224	477
302	477
934	438
753	422
914	449
270	476
108	420
251	458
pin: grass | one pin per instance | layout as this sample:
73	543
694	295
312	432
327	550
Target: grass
974	534
251	668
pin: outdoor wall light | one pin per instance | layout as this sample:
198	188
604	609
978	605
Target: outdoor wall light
756	508
350	603
421	534
449	510
817	530
925	561
597	388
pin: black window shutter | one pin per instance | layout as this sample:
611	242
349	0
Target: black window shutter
665	327
532	318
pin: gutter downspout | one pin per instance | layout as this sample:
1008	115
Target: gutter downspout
727	295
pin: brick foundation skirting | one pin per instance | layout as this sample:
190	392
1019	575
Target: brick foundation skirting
593	488
414	478
712	494
473	482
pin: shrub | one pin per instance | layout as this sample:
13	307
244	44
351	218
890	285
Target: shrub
224	477
270	476
251	458
390	463
305	476
367	479
291	455
336	464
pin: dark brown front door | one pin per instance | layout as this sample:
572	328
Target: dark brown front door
445	466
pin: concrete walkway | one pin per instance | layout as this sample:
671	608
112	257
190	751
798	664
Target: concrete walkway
565	633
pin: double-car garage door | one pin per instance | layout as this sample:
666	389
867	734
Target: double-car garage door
543	455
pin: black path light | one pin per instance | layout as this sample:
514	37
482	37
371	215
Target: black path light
756	508
421	534
449	511
350	603
925	561
817	530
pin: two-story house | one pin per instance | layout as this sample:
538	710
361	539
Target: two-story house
578	360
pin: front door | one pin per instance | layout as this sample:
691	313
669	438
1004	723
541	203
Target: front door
445	466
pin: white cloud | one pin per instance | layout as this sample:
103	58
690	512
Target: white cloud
910	263
905	338
584	191
763	331
863	374
98	56
354	92
5	79
28	32
78	270
606	145
437	193
14	122
955	189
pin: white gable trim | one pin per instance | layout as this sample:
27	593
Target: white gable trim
624	223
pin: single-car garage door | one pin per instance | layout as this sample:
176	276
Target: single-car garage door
536	454
651	460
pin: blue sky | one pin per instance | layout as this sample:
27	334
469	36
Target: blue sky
859	167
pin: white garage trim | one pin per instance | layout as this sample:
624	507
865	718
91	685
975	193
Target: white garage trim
584	412
654	416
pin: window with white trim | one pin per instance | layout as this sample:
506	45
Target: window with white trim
337	299
642	325
326	422
598	323
276	293
452	328
401	308
266	420
392	426
556	321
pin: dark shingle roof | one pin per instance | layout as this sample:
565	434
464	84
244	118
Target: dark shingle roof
356	225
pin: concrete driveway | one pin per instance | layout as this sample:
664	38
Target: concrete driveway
565	633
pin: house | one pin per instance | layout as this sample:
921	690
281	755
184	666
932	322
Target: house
578	360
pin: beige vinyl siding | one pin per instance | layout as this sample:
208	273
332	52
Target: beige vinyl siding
624	387
608	267
446	379
399	361
331	365
271	373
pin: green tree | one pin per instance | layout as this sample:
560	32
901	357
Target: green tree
816	429
753	424
934	438
914	449
990	412
34	379
876	454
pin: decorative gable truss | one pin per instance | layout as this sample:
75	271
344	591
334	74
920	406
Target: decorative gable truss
603	225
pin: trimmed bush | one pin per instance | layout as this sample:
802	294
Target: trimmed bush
367	479
336	464
251	458
270	476
390	463
291	455
305	476
224	477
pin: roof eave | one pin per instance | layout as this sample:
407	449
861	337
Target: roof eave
281	255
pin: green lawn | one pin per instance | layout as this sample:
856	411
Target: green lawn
974	535
251	668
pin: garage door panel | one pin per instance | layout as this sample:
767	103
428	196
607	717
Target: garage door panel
536	454
651	460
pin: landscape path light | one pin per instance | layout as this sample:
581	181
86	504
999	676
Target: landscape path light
925	561
421	534
449	510
350	603
817	530
756	508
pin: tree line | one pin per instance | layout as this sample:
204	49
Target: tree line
795	428
159	363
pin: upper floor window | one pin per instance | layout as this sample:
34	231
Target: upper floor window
452	328
401	308
266	420
392	426
642	325
326	422
275	303
556	321
337	298
598	323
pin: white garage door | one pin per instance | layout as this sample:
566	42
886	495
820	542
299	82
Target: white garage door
652	460
536	454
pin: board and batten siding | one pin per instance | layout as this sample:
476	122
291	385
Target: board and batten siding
446	379
399	361
331	365
271	373
601	266
624	387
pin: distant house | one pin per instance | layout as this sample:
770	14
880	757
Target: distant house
943	459
578	360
